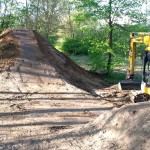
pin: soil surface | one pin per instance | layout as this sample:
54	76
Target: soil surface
8	50
48	102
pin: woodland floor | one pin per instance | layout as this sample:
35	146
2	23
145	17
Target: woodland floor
49	102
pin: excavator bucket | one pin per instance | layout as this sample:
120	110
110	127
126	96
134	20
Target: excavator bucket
129	85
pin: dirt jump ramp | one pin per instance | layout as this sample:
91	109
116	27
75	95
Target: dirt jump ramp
35	51
67	69
42	92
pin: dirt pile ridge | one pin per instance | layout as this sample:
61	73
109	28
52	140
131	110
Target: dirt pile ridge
70	71
126	128
8	50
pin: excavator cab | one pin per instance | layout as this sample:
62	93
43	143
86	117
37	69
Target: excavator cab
145	85
131	83
146	68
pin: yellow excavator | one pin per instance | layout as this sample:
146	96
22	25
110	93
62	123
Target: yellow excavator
130	83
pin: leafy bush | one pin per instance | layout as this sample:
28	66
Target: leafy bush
52	39
74	46
83	49
98	55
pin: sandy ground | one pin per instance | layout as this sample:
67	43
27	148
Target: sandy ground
42	106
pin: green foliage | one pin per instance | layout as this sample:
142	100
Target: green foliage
53	39
74	46
7	22
114	77
110	16
87	25
118	9
98	55
120	62
81	60
8	14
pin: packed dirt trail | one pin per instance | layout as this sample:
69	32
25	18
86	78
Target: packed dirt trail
48	102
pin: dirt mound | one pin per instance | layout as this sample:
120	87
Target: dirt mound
127	128
68	69
8	50
65	68
124	128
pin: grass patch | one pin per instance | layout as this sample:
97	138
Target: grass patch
59	43
81	60
114	77
58	47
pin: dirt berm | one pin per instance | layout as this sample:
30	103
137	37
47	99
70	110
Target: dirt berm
126	128
47	102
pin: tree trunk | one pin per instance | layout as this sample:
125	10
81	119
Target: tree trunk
70	24
37	16
26	17
109	62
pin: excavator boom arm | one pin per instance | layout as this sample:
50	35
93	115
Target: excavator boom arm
141	38
130	83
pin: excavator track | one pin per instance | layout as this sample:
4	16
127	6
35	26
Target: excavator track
137	96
